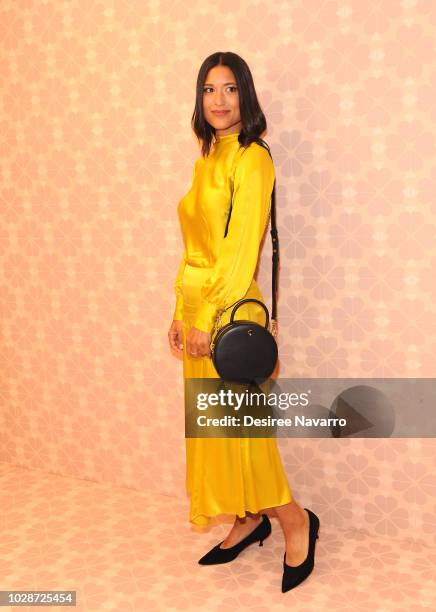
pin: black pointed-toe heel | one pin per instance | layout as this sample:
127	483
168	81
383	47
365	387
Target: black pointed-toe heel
293	576
224	555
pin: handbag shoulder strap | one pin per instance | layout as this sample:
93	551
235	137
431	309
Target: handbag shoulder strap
275	243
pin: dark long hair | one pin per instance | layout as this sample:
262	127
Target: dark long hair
252	118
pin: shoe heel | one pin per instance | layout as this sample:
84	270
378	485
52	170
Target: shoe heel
224	555
264	538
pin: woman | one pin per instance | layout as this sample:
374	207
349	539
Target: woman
240	476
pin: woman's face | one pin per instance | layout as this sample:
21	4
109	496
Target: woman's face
220	93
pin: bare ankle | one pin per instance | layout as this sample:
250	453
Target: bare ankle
291	517
247	520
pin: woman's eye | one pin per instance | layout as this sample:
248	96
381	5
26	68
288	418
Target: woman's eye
232	87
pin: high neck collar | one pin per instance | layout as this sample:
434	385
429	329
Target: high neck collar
228	138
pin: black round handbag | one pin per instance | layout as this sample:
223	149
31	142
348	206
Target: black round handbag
245	351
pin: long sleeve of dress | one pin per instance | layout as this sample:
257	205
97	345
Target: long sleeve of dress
236	263
178	310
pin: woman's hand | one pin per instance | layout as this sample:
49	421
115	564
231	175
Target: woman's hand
175	336
198	342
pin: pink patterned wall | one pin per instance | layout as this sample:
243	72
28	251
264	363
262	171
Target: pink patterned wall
96	151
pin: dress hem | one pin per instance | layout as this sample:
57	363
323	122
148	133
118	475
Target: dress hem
202	520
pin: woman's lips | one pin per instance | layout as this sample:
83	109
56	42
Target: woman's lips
219	113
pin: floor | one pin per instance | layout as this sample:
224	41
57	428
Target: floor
123	550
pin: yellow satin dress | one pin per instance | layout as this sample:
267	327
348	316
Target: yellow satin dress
225	475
